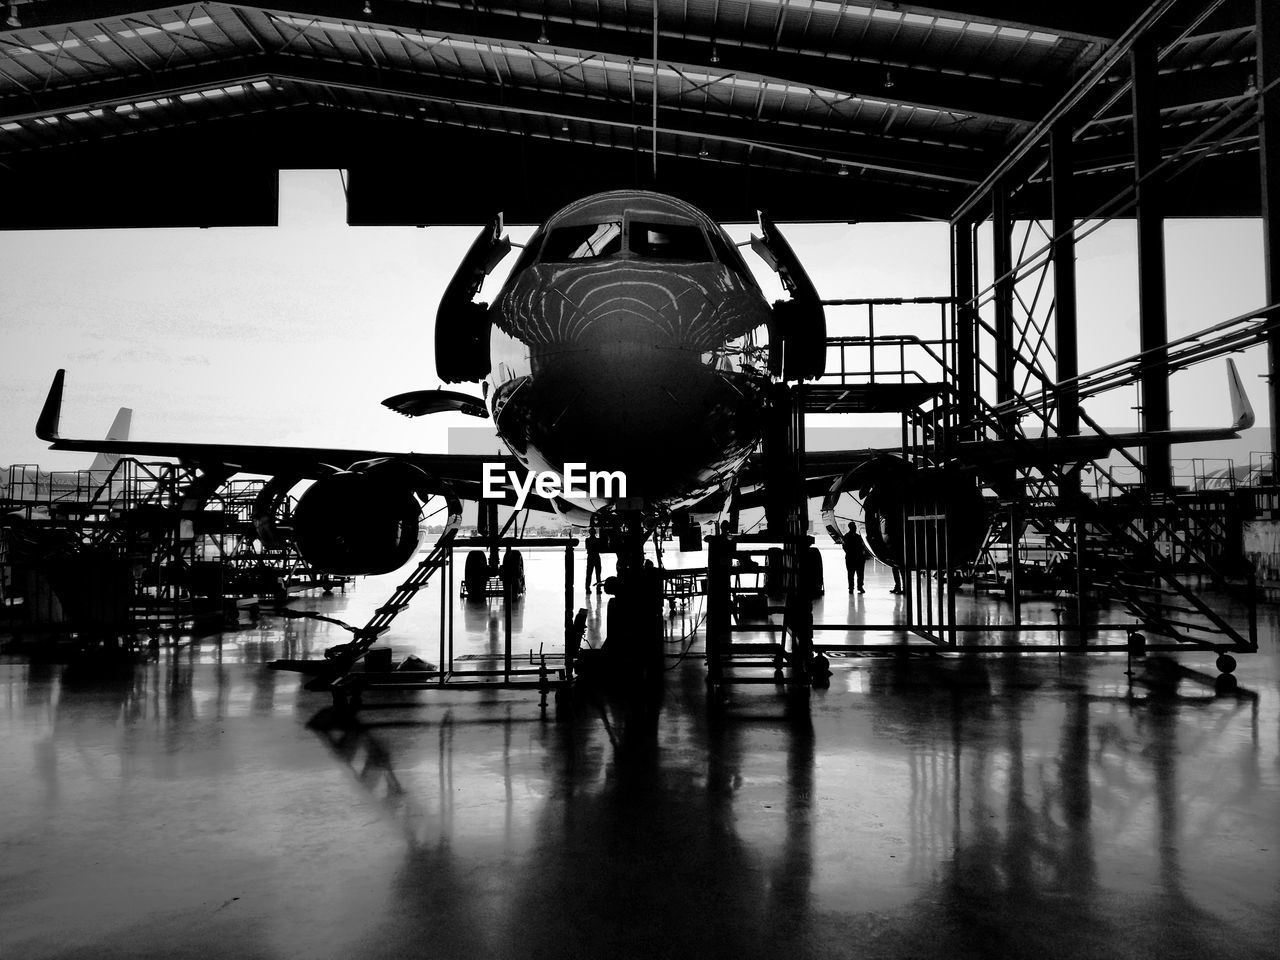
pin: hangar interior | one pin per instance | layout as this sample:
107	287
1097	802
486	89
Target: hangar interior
1004	758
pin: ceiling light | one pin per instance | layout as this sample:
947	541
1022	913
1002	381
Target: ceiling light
564	126
12	20
367	9
542	34
888	80
843	172
715	54
704	153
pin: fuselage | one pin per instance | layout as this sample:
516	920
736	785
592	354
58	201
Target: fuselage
630	336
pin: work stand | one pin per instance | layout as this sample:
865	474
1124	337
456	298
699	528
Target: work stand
754	577
350	670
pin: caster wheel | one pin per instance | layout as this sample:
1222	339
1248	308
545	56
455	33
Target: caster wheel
1225	663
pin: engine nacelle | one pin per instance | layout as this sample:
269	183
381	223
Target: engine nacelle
359	521
916	519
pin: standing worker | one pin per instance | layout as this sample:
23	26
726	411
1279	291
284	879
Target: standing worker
855	558
593	558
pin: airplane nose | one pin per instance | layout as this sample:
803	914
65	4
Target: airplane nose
659	414
627	302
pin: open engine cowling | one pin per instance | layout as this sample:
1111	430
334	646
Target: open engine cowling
916	519
364	520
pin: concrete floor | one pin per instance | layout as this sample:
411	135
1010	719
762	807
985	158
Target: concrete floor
201	805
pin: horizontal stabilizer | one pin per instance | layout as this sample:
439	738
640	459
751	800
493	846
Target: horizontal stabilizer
419	403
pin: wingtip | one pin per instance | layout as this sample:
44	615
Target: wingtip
1241	409
51	413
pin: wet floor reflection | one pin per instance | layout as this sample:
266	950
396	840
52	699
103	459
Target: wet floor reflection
923	806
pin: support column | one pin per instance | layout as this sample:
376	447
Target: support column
962	291
1269	162
1064	275
1002	267
1149	214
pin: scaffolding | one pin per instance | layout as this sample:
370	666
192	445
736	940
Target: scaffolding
138	552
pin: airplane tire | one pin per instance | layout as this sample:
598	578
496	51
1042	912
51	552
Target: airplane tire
813	564
513	572
476	574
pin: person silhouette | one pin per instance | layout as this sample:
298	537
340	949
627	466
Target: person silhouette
593	558
855	559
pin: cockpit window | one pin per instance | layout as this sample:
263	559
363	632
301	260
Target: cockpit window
668	241
583	241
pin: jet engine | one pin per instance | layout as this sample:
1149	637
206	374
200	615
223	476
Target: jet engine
915	518
363	520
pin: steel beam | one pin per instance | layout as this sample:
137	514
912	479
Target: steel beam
1097	71
843	147
1149	214
1269	161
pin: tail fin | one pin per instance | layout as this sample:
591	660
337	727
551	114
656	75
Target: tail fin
1241	409
119	431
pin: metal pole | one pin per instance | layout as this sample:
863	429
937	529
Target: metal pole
1064	275
1268	19
962	289
1002	252
446	560
507	597
655	91
568	599
871	339
443	668
1149	211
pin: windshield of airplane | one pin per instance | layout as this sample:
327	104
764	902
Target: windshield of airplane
583	241
668	241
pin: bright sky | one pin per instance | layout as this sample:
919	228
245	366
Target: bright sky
294	334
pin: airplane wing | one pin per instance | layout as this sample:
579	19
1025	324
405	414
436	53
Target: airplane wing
464	471
982	454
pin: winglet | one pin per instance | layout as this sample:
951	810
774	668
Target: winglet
1241	408
51	413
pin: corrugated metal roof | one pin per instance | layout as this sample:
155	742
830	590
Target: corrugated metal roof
925	95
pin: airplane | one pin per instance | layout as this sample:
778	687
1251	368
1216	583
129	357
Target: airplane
29	484
629	336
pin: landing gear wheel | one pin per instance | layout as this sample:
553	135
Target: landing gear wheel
1225	663
475	575
513	572
820	671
